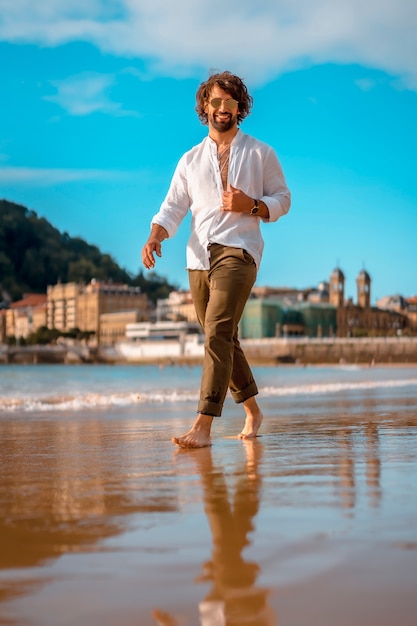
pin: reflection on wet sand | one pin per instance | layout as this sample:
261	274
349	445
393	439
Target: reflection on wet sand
368	434
231	509
234	597
99	518
65	487
346	468
373	464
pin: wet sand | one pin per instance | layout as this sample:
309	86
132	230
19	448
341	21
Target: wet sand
103	522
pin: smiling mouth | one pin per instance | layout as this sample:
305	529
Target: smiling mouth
223	117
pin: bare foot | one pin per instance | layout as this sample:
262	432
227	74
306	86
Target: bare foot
251	427
253	420
199	434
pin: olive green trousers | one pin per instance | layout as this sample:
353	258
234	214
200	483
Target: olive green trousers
219	295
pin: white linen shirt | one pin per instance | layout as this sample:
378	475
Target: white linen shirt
197	186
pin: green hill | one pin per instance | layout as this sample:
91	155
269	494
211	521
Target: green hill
34	254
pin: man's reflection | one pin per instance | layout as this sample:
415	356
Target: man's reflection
234	598
373	464
346	469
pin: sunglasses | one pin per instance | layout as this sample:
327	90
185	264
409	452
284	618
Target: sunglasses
230	103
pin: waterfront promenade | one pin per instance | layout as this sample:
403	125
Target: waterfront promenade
272	351
307	350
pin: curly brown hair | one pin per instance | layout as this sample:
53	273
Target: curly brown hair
230	83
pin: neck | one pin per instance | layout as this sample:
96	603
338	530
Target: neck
223	139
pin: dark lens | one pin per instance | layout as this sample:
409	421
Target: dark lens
231	103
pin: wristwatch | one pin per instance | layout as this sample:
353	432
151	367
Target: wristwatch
255	207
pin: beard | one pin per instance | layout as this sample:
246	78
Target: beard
222	126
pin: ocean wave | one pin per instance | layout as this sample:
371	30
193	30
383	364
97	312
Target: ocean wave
68	402
100	400
326	388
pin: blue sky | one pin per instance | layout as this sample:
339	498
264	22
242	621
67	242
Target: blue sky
97	105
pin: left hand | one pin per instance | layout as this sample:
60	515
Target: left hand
236	200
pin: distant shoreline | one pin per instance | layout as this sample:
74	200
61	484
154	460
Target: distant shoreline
275	351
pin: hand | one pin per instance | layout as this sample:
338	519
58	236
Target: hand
151	246
236	200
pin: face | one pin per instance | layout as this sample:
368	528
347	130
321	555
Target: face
223	117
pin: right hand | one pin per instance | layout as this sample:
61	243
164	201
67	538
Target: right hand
151	247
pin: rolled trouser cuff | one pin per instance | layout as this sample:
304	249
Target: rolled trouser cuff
245	394
210	408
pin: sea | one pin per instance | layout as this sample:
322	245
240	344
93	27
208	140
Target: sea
74	389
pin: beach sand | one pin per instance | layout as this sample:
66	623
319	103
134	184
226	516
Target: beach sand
103	522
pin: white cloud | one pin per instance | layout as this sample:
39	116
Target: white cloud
87	93
258	40
84	93
366	84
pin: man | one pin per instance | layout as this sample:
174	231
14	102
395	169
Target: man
230	182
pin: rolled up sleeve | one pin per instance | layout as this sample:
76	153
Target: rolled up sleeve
277	196
176	204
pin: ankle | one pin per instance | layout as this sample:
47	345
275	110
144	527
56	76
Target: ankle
203	422
251	406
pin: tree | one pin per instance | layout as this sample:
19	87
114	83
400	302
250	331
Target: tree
34	254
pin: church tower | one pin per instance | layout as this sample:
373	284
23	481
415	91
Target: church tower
363	285
337	288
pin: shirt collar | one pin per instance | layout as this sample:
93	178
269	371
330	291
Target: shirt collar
236	139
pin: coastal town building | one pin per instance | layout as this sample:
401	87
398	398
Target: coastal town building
62	305
276	317
337	288
74	305
105	309
362	319
406	306
177	307
113	325
321	312
25	316
411	311
3	334
98	298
